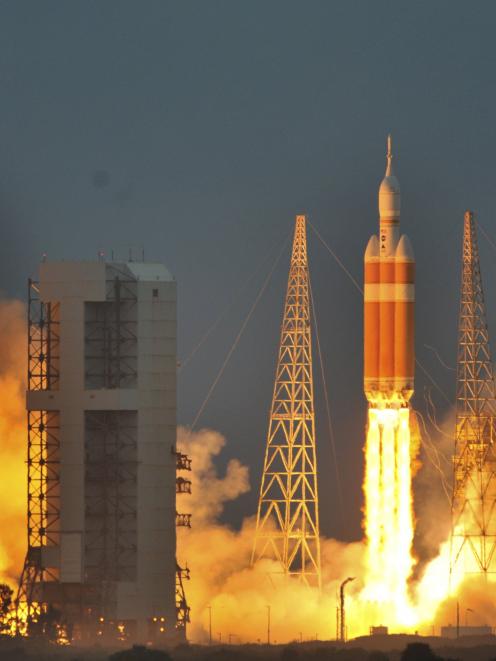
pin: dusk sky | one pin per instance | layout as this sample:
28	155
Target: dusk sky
195	131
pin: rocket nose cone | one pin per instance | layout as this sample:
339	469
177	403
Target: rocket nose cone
372	249
404	251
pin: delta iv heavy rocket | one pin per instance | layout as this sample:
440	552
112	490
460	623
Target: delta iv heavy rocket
389	299
388	383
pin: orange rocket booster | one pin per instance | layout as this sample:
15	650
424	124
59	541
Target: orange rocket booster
389	299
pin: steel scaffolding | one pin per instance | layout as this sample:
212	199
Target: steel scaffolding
288	510
110	335
111	346
110	502
473	537
182	608
43	461
183	463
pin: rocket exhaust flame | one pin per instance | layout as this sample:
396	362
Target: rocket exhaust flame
388	513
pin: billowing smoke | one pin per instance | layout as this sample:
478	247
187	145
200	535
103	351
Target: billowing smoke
475	599
209	492
433	493
237	596
224	584
432	487
13	485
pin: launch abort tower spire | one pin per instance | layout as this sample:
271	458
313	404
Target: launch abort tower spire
473	538
288	515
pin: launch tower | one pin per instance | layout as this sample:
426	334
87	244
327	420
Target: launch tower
288	509
101	455
473	540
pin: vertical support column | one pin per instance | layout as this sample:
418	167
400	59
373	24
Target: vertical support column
473	536
288	509
43	463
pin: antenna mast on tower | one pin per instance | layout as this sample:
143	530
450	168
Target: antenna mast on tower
288	509
473	536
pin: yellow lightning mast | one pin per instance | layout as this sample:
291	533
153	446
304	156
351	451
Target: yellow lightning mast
473	536
288	510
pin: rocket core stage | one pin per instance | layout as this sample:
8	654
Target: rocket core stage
389	296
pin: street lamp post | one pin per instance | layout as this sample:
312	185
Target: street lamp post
210	624
342	631
467	611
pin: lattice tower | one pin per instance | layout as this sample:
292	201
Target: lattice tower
43	506
474	481
183	486
288	510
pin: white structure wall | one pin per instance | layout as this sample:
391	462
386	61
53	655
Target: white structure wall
145	588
